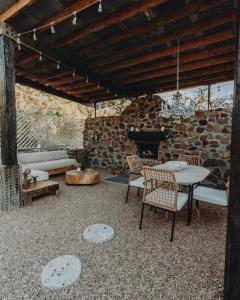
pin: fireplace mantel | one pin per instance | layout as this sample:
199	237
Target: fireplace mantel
149	137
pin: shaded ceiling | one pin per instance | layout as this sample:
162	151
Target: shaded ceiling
127	50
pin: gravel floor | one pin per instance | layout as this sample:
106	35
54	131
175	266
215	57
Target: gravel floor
134	265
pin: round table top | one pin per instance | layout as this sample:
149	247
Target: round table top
77	173
190	174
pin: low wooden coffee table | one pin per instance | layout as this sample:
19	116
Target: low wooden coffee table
41	188
82	177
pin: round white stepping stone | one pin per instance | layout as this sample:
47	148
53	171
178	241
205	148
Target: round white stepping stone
60	272
98	233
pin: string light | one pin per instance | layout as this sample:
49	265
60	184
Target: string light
100	8
40	56
58	65
74	21
98	86
34	35
52	29
74	73
108	91
87	79
19	42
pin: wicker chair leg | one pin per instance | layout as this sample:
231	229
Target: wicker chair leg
173	226
141	219
127	193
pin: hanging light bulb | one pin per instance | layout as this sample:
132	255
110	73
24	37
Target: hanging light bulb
100	8
40	56
58	65
52	29
74	21
87	79
108	91
34	35
74	73
98	86
19	41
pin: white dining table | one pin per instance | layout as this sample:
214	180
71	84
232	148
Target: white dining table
189	176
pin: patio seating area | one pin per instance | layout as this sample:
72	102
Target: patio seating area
142	203
134	265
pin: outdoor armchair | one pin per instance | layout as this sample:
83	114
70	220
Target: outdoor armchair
161	191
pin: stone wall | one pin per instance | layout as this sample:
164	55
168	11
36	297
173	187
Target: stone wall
207	134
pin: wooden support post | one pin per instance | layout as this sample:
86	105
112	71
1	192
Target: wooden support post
209	97
10	183
7	102
232	262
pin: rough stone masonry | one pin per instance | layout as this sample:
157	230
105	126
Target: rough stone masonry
207	134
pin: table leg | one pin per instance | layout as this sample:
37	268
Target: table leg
190	201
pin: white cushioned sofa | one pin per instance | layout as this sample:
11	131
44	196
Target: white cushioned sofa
52	162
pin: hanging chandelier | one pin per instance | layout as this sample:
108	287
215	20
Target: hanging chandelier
181	106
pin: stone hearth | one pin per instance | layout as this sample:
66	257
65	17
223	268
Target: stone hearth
207	134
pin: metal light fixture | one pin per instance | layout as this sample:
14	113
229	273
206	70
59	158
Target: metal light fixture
178	107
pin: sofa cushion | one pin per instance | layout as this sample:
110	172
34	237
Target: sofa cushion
24	158
41	175
50	165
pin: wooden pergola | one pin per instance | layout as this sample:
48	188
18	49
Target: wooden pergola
126	50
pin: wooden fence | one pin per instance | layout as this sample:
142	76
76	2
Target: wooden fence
48	131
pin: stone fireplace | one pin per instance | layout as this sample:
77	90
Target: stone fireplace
148	143
138	131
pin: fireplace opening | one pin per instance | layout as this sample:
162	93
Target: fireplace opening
148	151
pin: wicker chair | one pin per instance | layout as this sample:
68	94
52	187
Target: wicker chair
135	173
161	191
193	160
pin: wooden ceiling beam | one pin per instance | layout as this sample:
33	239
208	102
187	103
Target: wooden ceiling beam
15	9
212	61
59	82
165	38
192	8
204	41
185	58
54	76
192	82
118	16
37	68
77	85
87	91
61	16
227	67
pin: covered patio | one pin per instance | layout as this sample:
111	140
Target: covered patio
92	51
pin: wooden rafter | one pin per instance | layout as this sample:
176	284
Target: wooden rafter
204	41
171	79
212	61
36	68
185	58
15	9
116	17
68	79
166	18
198	81
57	18
81	84
165	38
